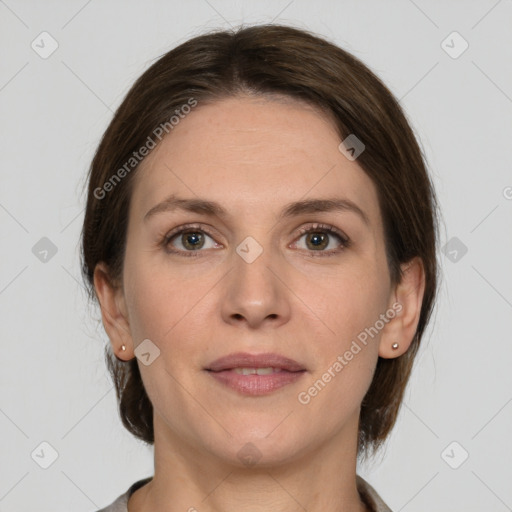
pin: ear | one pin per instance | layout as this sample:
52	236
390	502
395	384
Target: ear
113	313
407	300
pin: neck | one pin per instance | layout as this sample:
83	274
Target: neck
324	479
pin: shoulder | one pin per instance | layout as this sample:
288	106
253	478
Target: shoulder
370	496
121	503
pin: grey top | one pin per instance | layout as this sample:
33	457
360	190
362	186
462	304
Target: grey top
367	492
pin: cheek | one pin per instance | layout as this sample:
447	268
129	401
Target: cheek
354	298
150	301
346	342
345	347
161	300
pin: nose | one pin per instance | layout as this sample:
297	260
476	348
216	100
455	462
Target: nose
255	292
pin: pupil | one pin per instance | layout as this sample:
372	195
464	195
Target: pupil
317	239
192	239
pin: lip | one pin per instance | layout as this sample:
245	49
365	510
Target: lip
246	360
222	370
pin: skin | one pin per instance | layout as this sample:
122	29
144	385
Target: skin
253	156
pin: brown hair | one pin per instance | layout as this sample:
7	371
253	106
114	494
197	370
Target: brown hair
269	60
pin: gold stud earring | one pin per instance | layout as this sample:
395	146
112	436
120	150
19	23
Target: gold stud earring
123	349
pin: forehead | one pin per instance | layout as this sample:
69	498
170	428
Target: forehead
248	153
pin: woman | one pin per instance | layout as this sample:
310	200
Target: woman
260	234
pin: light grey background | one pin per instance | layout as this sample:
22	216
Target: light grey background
54	385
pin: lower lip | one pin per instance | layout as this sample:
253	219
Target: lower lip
256	385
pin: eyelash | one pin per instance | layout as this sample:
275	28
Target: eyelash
316	228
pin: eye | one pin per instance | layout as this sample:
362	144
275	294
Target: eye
188	239
319	237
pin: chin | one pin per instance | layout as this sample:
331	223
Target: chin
258	449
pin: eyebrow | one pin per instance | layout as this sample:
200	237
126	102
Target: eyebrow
204	207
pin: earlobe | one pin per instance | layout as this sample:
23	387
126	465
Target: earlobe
398	334
113	313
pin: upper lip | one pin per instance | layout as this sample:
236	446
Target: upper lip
245	360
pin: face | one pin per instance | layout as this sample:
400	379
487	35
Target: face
248	273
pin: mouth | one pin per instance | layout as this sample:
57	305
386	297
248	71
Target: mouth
256	371
243	361
255	374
